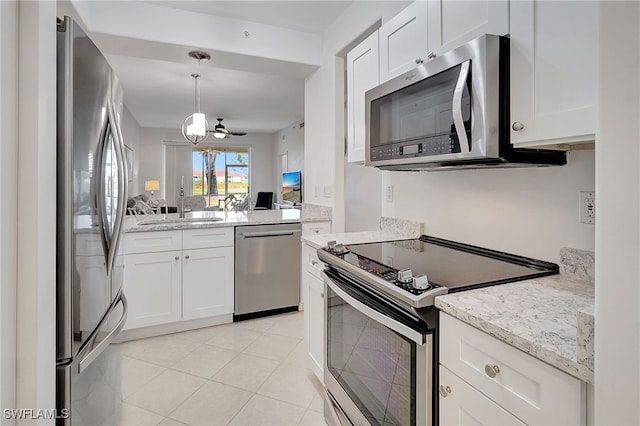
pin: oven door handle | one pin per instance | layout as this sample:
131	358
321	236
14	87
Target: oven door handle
390	323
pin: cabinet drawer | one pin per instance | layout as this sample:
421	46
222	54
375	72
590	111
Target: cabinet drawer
207	238
310	261
464	405
316	228
147	242
531	390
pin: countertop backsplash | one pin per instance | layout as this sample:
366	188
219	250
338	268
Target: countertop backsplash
316	210
578	264
401	227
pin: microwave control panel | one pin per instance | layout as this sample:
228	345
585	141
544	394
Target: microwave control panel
427	147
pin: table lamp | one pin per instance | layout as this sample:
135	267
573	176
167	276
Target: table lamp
151	185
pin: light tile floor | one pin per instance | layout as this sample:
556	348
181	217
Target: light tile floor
248	373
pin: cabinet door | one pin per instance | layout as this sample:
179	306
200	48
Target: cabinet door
152	284
207	282
453	23
554	64
314	321
403	41
461	404
362	75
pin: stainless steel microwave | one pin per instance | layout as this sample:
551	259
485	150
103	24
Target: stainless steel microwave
450	112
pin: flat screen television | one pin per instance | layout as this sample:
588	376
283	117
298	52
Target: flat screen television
292	187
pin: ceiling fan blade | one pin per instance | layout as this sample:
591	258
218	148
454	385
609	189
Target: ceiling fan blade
237	133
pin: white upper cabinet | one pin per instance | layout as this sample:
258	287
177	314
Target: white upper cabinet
554	64
362	75
404	41
453	23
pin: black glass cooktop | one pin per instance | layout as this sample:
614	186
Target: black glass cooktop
455	266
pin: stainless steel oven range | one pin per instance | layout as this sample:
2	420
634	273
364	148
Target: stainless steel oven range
381	325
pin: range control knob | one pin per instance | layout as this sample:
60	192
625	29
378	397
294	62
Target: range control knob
339	248
331	245
405	275
420	282
352	258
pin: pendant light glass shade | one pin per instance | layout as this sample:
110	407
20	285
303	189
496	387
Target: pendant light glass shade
195	127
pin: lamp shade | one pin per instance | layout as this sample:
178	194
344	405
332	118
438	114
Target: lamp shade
151	185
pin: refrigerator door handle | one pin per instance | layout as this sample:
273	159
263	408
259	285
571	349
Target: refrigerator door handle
90	351
122	177
101	209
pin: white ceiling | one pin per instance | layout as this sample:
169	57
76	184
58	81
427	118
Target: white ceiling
306	15
250	93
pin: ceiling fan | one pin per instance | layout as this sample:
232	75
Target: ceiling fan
220	132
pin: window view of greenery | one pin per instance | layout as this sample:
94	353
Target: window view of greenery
218	172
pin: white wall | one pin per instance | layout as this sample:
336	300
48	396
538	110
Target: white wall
617	334
131	136
36	228
289	141
531	212
8	200
362	197
324	105
152	156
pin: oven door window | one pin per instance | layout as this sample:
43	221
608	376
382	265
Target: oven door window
418	120
373	364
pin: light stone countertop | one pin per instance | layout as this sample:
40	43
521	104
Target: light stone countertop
319	241
538	316
209	219
391	229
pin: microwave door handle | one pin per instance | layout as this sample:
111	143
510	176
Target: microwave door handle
456	108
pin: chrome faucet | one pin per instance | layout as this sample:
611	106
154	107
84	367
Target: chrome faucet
181	209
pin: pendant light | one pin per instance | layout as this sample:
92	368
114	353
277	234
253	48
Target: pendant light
195	127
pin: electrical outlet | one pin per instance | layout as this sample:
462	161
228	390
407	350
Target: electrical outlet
390	194
587	207
328	191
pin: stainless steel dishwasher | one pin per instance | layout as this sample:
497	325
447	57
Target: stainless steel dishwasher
267	270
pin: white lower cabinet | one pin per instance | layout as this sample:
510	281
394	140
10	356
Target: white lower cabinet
314	322
168	284
475	367
461	404
313	298
207	282
153	286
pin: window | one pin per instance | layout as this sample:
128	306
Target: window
220	171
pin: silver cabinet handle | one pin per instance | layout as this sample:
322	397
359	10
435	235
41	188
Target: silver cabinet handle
186	257
177	258
517	126
491	370
444	390
431	55
419	61
317	231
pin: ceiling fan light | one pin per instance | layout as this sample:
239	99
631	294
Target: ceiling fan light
219	135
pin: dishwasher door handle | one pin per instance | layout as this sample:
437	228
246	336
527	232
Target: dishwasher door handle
269	234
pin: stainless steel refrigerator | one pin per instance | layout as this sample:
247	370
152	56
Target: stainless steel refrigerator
91	202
